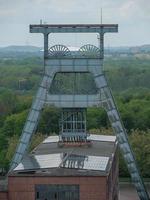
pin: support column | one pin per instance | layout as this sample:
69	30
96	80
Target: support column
101	46
45	45
109	105
101	35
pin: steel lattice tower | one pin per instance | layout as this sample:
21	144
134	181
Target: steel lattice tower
89	59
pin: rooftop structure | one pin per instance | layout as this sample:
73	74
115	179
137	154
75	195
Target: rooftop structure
82	172
92	160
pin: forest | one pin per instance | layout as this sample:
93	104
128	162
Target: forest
129	79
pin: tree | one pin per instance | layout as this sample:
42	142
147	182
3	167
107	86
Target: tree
140	141
12	144
8	102
49	122
97	118
14	123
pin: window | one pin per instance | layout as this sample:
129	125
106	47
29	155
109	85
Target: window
57	192
37	195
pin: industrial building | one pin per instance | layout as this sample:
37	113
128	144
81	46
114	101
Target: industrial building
70	172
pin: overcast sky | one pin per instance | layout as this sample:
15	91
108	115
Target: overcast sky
133	17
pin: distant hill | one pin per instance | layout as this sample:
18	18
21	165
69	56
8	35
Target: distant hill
121	49
108	50
141	49
14	48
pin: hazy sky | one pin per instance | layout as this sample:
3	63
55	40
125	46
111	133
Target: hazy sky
133	17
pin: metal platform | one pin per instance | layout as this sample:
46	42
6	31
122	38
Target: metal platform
71	28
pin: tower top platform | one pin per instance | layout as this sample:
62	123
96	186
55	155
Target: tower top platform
71	28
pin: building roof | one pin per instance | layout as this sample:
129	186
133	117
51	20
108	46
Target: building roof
50	159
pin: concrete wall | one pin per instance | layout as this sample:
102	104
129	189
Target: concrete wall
23	188
113	180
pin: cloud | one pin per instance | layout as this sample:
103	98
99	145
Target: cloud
135	9
131	15
128	9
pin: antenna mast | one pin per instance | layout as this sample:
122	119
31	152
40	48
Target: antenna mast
101	15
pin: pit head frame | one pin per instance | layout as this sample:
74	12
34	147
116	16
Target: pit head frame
105	98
